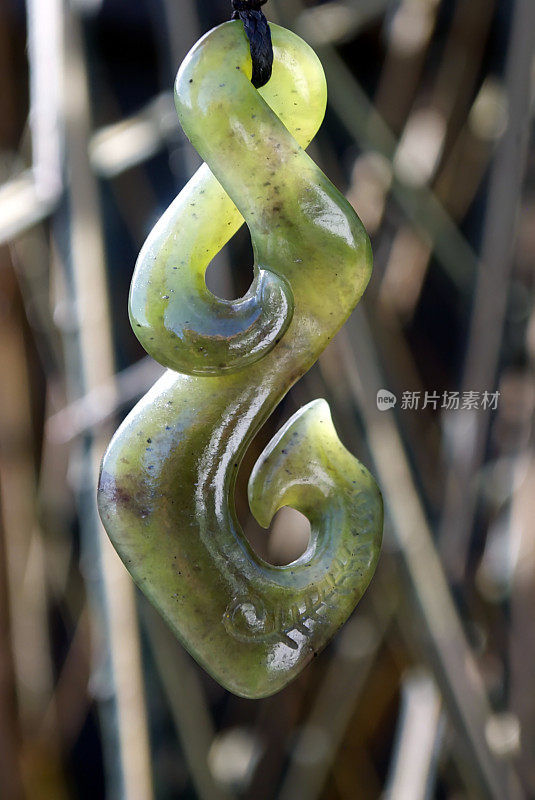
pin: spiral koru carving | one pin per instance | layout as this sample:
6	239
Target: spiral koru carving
166	493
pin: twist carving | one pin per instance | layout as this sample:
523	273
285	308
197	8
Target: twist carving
167	482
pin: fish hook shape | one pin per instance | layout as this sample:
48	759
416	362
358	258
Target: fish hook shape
166	491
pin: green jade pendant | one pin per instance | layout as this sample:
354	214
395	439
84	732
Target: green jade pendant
166	492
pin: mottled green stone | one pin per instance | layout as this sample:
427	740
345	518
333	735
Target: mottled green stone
166	493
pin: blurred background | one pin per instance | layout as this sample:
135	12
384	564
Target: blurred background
428	691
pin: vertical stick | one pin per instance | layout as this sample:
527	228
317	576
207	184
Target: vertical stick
127	744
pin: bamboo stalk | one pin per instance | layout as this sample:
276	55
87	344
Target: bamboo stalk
129	770
412	769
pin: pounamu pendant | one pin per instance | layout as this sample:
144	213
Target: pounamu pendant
166	492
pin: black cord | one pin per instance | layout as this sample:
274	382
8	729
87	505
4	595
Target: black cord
257	31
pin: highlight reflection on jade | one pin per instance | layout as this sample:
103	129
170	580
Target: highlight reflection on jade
166	492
